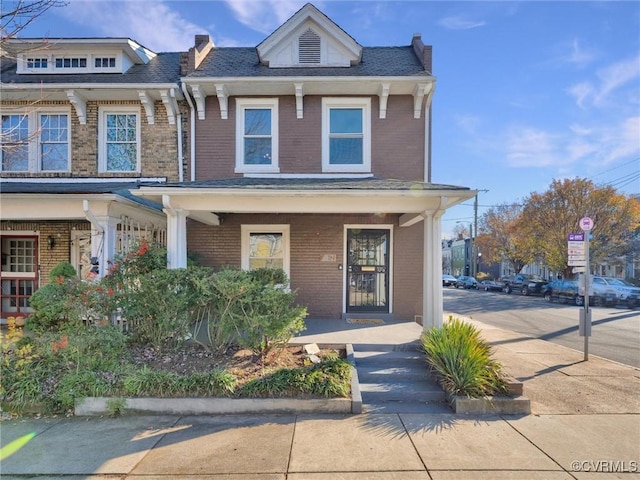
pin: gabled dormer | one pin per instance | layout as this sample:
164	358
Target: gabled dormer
309	39
78	55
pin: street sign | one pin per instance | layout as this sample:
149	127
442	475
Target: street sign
578	269
575	237
577	263
586	223
577	251
577	257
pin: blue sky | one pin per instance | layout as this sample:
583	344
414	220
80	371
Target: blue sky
527	92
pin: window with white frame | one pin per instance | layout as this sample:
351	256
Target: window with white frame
119	131
346	135
265	246
37	141
256	135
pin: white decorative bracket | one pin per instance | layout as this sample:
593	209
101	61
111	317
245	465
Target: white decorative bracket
418	96
199	97
223	100
384	96
80	104
299	102
169	106
148	104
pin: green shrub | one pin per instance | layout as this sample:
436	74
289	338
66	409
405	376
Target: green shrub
259	316
463	359
56	304
63	269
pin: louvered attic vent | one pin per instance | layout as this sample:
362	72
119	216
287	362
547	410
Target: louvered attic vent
309	47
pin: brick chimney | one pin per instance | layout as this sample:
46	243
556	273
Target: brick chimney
422	51
202	46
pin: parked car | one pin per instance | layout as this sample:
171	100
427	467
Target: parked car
602	292
466	282
563	290
525	284
449	281
616	291
490	286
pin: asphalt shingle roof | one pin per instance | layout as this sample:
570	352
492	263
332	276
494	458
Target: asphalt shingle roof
244	183
164	68
376	61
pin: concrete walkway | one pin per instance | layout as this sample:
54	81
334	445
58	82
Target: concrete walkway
585	425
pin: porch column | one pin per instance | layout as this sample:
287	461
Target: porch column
176	237
432	273
104	231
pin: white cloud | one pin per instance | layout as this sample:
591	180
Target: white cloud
593	146
459	22
530	147
468	122
264	15
152	23
581	91
611	82
615	76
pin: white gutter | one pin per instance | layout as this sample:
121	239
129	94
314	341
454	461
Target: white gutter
192	124
172	94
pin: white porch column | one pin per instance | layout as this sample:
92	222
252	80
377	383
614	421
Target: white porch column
104	231
432	312
176	237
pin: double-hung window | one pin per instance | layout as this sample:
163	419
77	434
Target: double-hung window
256	135
119	139
265	246
37	141
346	135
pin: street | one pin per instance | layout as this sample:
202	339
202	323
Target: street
615	332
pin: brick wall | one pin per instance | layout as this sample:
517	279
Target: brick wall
397	149
159	149
315	239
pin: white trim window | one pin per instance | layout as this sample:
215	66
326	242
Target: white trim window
37	141
346	135
257	135
119	131
265	246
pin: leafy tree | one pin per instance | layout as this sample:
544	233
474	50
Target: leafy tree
549	217
500	237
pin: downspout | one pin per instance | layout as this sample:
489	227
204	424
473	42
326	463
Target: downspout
192	126
172	94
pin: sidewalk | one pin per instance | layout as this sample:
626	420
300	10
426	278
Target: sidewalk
586	419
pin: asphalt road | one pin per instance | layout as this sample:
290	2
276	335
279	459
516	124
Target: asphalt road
615	331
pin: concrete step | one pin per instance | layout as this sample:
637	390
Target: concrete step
390	359
401	392
376	374
407	407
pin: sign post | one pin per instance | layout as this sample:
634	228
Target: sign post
586	224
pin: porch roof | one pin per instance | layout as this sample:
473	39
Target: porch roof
207	198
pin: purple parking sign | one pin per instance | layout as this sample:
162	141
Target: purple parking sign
576	237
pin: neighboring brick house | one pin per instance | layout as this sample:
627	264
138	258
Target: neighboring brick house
308	152
83	121
312	153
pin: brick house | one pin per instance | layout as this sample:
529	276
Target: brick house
83	121
308	152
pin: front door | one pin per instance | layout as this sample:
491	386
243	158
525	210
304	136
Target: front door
368	270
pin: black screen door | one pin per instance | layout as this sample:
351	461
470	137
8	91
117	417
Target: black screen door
368	270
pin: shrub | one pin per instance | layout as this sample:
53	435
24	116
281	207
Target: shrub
463	359
56	304
258	315
63	269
